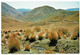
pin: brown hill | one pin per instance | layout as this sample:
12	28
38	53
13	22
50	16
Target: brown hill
59	18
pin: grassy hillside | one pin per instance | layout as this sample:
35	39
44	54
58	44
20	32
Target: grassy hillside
11	24
59	18
44	12
7	11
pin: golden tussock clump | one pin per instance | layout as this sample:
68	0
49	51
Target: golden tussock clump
20	38
27	33
5	32
46	31
20	30
27	47
53	38
32	38
17	33
13	44
40	36
7	36
53	35
75	33
27	36
37	28
9	31
63	31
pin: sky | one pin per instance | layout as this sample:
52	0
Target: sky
34	4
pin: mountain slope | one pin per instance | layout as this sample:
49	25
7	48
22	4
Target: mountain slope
73	18
8	22
44	12
7	10
64	17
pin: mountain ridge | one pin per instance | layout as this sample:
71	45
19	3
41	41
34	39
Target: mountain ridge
40	13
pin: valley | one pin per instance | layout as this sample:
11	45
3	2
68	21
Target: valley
42	30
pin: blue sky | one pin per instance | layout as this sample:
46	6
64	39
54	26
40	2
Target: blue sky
34	4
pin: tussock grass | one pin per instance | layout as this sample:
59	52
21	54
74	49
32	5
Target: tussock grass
75	33
27	33
3	40
37	28
7	36
13	44
27	47
40	36
53	38
63	33
32	38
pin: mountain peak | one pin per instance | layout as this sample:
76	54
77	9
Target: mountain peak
46	6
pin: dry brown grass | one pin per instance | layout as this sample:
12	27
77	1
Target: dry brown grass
27	31
75	33
48	52
40	35
37	28
27	37
2	34
63	32
13	44
32	38
3	40
27	47
53	38
53	35
7	36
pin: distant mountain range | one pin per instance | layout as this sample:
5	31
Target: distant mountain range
40	15
73	9
24	11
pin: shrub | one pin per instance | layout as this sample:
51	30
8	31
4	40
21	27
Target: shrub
37	28
40	36
27	47
53	38
32	38
13	44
